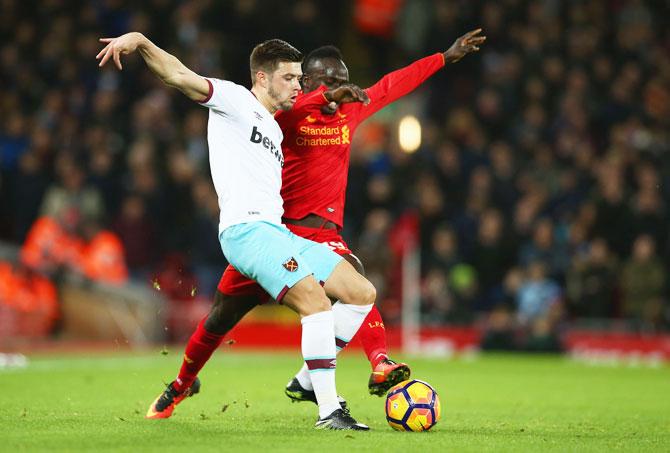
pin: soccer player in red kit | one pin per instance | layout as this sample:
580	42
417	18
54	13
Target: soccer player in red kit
316	151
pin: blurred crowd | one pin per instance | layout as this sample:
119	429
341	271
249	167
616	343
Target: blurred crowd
540	191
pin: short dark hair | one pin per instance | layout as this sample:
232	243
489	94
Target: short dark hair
267	55
319	53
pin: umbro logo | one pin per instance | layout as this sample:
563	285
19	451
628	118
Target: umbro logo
290	265
258	116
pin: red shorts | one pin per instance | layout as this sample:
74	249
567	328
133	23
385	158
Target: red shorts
233	283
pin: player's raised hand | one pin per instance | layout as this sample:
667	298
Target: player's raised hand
467	43
347	93
116	47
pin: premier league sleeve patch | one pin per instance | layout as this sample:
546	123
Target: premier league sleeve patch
291	265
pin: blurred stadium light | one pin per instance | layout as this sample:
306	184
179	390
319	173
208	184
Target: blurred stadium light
409	134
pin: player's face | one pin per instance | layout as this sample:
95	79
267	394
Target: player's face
284	85
330	72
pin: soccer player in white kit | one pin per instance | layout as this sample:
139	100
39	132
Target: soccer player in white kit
246	161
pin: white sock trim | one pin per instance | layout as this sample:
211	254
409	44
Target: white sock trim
317	317
362	309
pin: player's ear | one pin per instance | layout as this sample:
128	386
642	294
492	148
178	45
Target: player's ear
262	79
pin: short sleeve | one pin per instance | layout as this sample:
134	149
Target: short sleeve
223	95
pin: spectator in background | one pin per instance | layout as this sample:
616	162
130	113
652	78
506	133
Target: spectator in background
376	20
437	301
504	172
52	245
528	209
178	189
500	326
103	257
591	282
104	178
28	302
195	136
139	237
380	192
71	197
143	177
613	216
543	247
649	212
540	308
29	186
467	221
464	285
537	294
450	176
443	253
643	283
14	138
207	258
493	254
431	204
70	244
373	251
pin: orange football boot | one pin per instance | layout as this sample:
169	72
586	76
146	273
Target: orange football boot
163	406
386	374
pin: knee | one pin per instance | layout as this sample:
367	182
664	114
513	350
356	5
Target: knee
366	293
227	311
307	299
320	304
315	301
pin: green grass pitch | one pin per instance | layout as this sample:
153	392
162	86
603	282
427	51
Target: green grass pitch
489	403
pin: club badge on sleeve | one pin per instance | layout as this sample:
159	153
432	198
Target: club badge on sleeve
291	265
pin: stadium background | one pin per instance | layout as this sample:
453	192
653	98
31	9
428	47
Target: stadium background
539	193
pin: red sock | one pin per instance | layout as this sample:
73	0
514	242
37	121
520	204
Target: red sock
373	337
199	349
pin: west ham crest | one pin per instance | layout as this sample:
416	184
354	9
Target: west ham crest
291	265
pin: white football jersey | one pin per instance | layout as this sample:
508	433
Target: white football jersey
245	156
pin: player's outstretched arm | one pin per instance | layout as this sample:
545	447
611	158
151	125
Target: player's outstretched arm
167	67
400	82
464	45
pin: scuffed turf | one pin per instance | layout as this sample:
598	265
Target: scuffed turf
491	403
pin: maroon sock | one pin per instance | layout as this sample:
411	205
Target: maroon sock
199	349
373	337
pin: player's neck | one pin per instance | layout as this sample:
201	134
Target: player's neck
264	99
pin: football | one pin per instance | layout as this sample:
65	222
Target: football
412	405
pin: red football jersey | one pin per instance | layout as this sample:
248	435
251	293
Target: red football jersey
316	146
